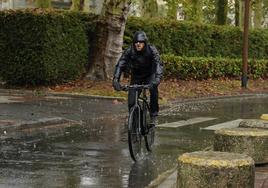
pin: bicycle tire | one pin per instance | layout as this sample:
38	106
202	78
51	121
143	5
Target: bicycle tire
134	134
150	133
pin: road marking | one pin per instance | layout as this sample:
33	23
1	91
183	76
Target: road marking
185	122
228	124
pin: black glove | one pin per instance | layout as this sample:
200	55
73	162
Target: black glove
154	83
116	84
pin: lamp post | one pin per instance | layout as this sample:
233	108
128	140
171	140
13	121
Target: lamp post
244	78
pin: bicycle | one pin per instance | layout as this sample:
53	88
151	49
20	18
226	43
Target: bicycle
139	122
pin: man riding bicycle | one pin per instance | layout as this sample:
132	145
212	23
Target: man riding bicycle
143	61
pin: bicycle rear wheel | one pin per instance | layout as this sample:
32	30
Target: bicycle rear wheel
150	129
134	134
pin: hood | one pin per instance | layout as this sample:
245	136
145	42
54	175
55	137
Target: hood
140	36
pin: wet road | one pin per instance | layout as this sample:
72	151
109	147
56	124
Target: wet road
94	152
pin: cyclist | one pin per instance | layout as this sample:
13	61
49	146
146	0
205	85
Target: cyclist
143	61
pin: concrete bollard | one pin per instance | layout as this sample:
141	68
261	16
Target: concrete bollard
209	169
253	142
264	117
254	123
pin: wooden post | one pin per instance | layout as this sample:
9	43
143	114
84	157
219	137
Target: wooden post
244	78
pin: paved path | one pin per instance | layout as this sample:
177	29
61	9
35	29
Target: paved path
29	113
28	110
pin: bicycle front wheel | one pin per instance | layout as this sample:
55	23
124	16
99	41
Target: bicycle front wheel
150	129
134	134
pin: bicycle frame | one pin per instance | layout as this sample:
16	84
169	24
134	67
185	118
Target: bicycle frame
142	98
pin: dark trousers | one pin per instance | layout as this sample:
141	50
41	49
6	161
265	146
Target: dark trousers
154	106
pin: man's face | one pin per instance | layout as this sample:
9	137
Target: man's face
139	46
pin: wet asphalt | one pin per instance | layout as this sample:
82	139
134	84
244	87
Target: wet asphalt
86	145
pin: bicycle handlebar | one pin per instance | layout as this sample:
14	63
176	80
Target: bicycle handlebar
135	86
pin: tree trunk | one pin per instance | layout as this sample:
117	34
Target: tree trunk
149	8
221	12
172	7
258	13
77	5
110	39
241	10
193	10
237	12
43	3
196	11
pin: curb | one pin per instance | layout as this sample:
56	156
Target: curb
223	97
87	96
165	180
47	93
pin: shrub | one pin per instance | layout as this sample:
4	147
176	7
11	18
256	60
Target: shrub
204	68
198	40
41	47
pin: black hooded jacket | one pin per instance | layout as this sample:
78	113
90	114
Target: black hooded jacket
144	65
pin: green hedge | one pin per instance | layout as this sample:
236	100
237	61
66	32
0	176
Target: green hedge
42	47
198	40
204	68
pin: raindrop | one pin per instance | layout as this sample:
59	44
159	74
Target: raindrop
81	110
